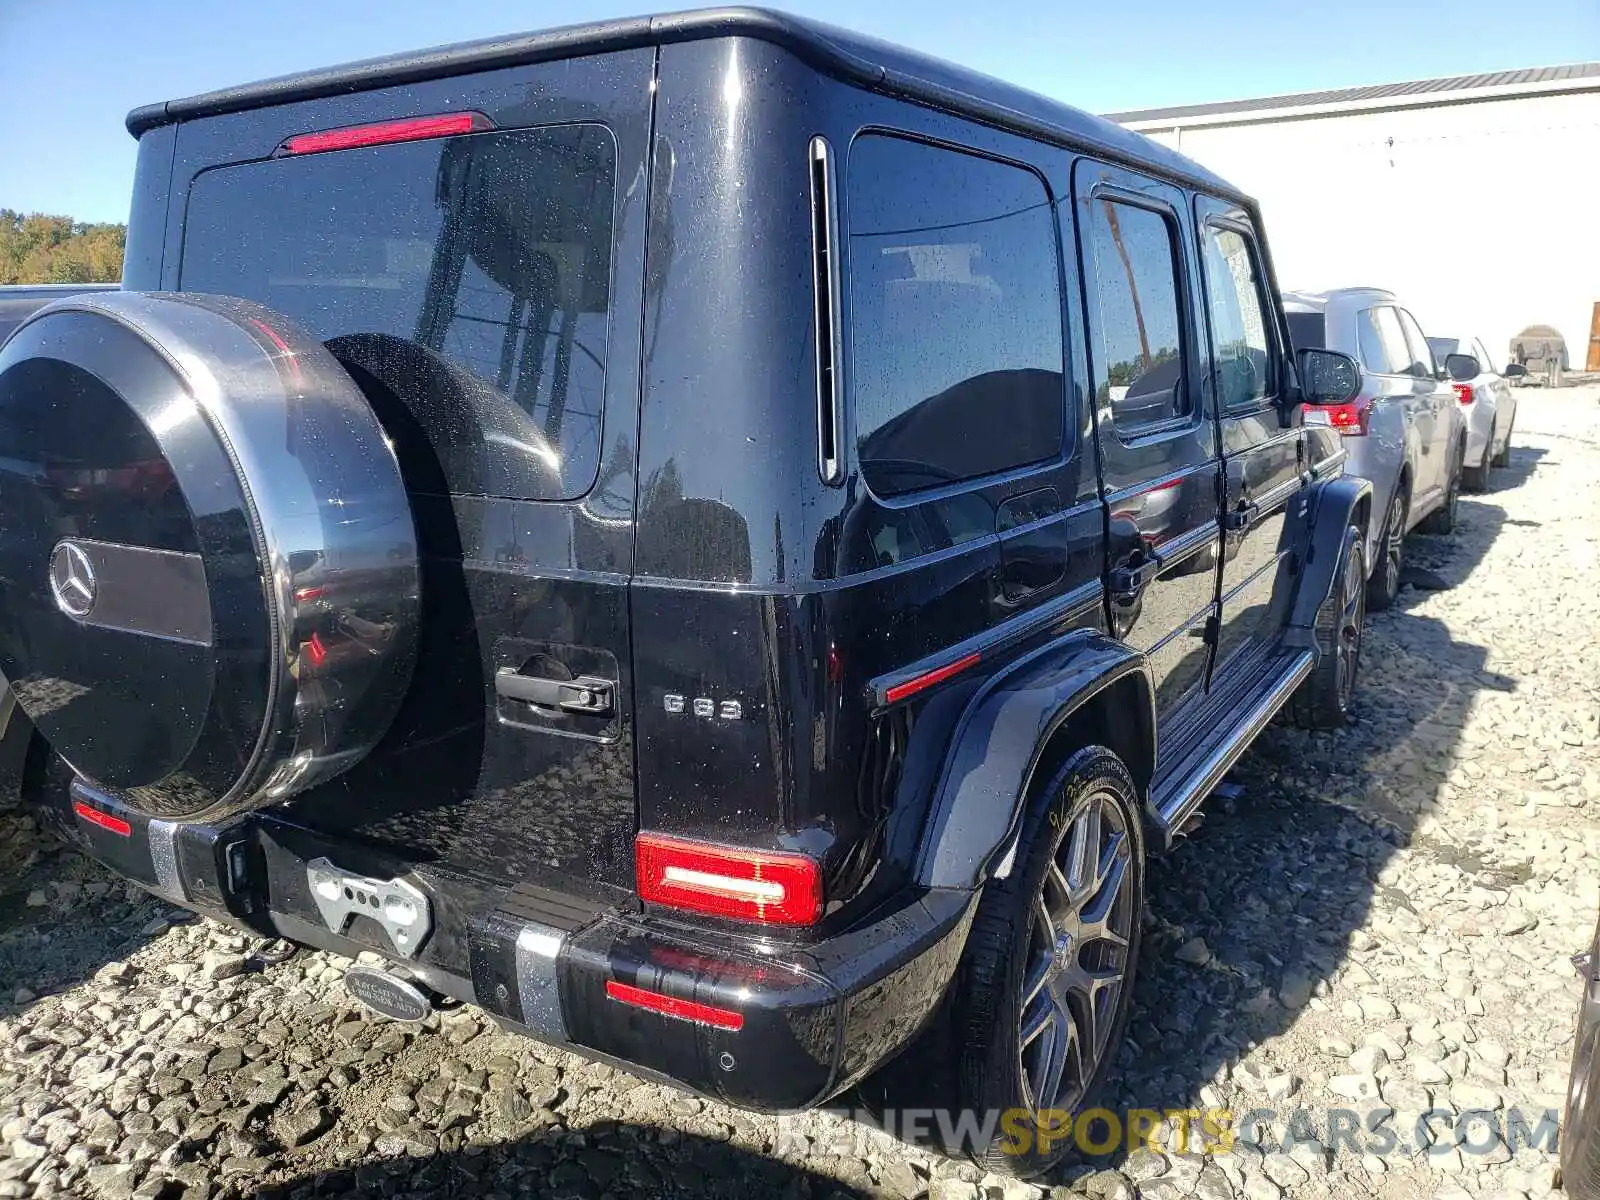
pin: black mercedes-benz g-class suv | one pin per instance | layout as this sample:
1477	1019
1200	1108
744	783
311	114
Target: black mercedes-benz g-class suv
722	542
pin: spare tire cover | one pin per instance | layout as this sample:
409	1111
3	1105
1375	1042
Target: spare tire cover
209	585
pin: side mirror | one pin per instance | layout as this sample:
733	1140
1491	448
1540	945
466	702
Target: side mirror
1514	371
1327	377
1461	367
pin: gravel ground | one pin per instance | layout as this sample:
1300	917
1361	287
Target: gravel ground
1374	920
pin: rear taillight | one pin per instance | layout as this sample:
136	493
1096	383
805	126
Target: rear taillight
773	888
1463	392
384	133
1350	419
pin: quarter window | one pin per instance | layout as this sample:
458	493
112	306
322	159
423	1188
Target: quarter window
955	316
1139	371
1383	341
1241	354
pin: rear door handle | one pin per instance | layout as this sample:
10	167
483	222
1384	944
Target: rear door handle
585	694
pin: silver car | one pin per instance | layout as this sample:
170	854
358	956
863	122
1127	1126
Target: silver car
1487	402
1404	432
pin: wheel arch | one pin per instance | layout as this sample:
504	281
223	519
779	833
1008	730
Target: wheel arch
1086	688
16	737
1335	506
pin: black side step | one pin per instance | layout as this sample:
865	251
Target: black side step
1179	792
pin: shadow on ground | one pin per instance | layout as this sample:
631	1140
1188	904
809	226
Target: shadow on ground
1275	882
62	916
1284	872
610	1158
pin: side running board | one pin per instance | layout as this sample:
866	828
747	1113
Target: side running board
1182	797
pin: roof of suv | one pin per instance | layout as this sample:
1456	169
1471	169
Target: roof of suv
853	58
1322	301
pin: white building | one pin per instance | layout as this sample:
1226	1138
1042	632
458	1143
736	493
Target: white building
1476	199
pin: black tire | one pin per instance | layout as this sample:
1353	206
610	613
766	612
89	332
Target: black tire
1476	478
1323	700
1384	585
1580	1130
1442	520
1503	459
998	1067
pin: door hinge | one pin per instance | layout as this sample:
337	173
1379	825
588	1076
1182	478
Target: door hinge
1239	519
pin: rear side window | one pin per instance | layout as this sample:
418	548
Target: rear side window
1241	354
470	274
1139	371
955	316
1383	341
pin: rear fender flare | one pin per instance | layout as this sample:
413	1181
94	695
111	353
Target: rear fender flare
999	741
16	732
1335	506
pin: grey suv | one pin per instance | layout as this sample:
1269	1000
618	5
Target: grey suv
1404	432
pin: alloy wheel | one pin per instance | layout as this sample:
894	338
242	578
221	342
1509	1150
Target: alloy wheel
1077	957
1578	1091
1352	619
1394	542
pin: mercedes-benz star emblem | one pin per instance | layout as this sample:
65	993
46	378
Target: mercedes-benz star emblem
72	580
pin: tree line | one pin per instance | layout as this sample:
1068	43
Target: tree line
38	248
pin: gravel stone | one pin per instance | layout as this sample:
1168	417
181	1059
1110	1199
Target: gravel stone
1370	921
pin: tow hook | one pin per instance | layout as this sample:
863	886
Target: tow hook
274	952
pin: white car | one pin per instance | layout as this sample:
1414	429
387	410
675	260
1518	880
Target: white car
1488	404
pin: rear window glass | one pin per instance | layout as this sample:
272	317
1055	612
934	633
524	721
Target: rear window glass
470	276
955	316
1307	330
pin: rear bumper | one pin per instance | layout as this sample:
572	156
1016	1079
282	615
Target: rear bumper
812	1019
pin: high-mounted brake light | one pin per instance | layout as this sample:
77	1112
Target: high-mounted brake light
95	816
383	133
1463	392
728	881
671	1006
1349	419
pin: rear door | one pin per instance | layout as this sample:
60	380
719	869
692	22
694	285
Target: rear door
1388	360
1437	397
1156	439
486	289
1262	461
1505	404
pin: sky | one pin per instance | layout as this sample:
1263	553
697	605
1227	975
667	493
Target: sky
71	69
